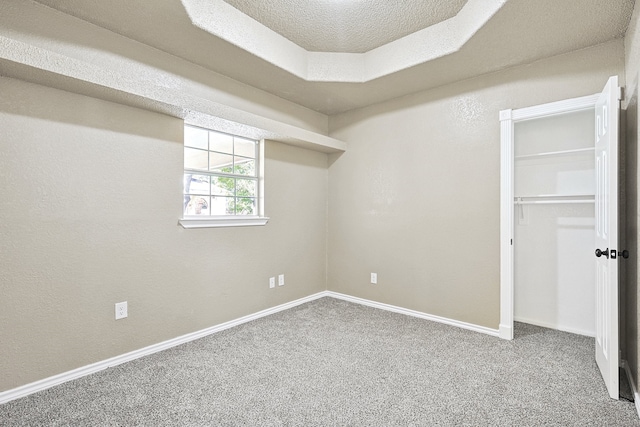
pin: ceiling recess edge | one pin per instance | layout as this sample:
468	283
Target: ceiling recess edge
222	20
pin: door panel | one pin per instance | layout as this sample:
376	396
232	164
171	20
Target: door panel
606	209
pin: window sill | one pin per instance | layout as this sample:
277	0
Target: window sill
213	222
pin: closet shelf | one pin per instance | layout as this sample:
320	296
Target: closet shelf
555	153
551	199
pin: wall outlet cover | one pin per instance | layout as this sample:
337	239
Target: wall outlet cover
121	310
281	280
272	282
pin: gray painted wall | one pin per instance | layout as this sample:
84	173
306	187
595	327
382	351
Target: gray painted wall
630	104
91	195
416	196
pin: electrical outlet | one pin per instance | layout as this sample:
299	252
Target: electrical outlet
121	310
281	280
374	278
272	282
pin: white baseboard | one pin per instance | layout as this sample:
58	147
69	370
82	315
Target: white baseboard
27	389
505	332
408	312
549	325
634	389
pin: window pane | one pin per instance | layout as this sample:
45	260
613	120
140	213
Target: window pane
246	188
197	205
195	137
195	159
220	162
223	186
196	184
222	206
220	142
244	166
245	206
220	176
245	147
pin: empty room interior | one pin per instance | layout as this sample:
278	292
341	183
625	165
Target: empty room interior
272	174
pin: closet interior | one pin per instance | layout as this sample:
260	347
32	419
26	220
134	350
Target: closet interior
554	220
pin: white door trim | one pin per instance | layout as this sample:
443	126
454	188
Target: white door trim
507	120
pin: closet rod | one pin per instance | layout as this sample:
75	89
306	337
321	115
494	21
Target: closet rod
554	199
555	196
553	202
555	153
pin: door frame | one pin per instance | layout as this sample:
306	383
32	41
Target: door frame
508	118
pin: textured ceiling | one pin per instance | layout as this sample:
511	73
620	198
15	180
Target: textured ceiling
520	32
354	26
443	38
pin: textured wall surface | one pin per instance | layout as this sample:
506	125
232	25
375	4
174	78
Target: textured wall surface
416	196
91	192
91	195
632	46
77	49
630	103
630	298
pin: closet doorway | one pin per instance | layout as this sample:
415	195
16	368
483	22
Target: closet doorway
554	222
559	220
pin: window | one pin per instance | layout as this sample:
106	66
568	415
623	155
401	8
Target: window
221	180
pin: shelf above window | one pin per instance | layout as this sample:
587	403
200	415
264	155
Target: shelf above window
124	83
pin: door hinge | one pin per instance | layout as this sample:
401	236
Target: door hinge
620	93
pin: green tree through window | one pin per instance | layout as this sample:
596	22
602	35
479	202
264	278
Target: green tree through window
244	189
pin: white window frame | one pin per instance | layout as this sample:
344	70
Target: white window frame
213	221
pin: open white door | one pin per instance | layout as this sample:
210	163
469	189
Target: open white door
606	215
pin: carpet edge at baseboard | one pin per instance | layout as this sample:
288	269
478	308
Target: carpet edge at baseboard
414	313
43	384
